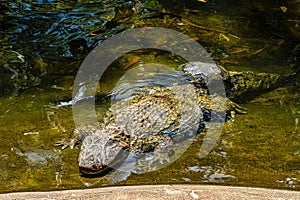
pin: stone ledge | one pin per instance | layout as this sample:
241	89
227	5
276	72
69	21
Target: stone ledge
164	192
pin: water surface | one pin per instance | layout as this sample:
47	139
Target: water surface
259	149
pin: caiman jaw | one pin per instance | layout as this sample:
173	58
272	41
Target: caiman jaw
94	170
98	169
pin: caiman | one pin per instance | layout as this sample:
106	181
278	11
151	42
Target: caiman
156	118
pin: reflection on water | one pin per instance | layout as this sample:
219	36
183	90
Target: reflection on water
44	42
150	74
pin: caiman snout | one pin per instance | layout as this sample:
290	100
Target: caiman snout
100	153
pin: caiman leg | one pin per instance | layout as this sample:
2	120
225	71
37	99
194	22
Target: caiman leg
232	106
77	136
219	104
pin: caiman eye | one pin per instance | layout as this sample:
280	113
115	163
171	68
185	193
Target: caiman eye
94	166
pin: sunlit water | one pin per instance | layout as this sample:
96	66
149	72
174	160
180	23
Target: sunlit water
259	149
256	149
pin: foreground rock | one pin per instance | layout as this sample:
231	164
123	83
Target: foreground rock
164	192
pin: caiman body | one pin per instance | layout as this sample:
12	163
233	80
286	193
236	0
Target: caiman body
156	118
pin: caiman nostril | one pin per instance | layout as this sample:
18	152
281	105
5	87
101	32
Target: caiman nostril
91	158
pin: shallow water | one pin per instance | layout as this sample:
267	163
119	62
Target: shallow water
259	149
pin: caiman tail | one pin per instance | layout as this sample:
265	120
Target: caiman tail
245	86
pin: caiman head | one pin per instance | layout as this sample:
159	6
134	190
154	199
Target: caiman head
101	152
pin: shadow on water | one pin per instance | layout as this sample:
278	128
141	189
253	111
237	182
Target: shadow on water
44	43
